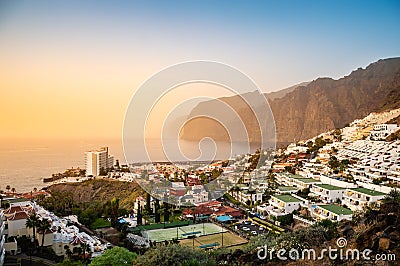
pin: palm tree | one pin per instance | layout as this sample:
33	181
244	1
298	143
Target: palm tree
44	225
8	187
85	248
251	191
13	190
68	251
33	222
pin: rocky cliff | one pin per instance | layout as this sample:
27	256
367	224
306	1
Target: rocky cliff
320	105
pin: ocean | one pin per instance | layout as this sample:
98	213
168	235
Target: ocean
24	163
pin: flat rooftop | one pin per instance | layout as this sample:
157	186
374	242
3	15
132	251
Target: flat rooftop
368	191
287	188
336	209
287	198
329	187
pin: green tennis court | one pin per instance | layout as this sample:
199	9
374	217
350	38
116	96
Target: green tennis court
182	232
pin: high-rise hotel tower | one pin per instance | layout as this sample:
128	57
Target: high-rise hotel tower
97	160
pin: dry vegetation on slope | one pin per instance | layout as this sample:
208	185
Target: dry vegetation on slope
102	190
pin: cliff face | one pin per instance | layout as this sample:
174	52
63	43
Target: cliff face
321	105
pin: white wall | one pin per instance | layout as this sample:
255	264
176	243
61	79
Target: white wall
338	183
379	188
17	227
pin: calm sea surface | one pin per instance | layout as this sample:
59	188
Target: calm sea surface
23	163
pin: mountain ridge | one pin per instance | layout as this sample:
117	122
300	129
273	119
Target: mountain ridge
321	105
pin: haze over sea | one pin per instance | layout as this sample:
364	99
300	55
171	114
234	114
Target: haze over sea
24	162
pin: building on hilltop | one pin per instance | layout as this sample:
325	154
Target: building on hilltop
97	161
382	131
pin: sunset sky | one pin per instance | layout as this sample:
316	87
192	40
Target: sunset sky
69	68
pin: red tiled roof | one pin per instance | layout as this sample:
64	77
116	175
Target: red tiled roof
203	209
225	210
236	214
13	209
187	211
18	216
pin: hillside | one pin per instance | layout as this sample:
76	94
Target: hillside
321	105
281	93
102	190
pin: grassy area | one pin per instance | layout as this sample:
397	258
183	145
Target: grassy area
100	223
230	239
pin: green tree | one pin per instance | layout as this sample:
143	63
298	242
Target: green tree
114	207
333	162
148	203
174	255
252	192
139	215
166	212
33	222
157	216
85	249
393	196
68	251
115	257
44	225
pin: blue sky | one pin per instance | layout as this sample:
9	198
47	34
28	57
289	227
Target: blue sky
292	41
85	53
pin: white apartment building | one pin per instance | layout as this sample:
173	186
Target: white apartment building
357	198
332	212
290	180
284	204
382	131
327	193
245	196
96	160
376	159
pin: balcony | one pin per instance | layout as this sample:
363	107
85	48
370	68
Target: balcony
276	212
321	215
